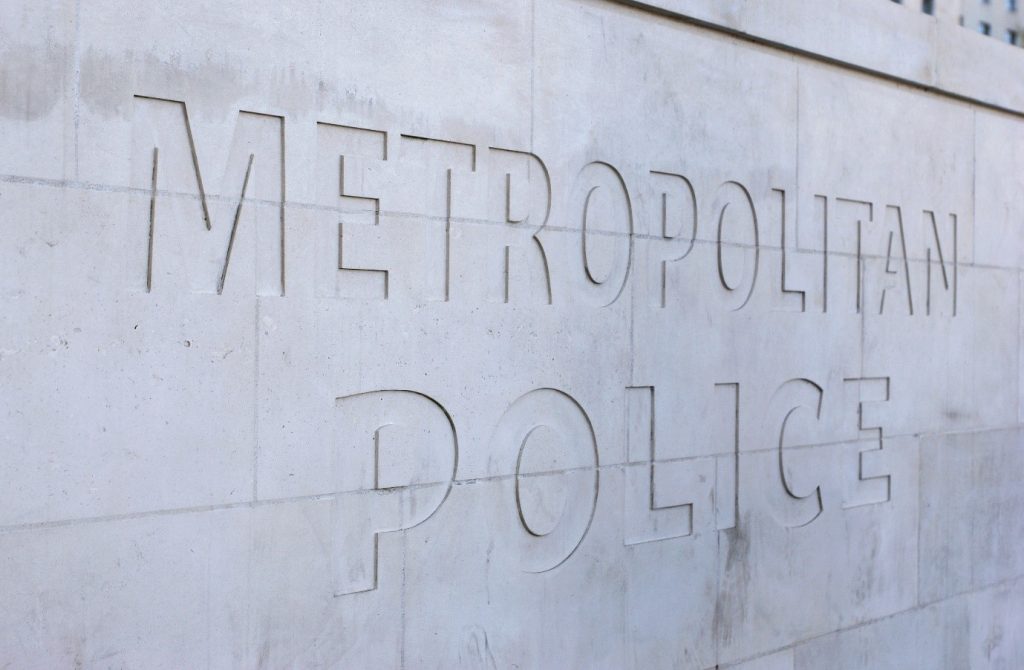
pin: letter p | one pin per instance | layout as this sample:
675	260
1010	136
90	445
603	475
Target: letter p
396	460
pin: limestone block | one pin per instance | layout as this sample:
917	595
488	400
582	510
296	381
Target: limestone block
575	333
970	513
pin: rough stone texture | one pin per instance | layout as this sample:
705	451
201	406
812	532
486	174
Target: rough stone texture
677	334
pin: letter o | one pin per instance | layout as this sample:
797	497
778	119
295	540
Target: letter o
546	549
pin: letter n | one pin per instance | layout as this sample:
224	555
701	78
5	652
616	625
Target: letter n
204	207
942	263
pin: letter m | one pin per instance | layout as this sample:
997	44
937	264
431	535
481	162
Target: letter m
204	207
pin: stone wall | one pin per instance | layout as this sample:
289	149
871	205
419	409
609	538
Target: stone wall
565	333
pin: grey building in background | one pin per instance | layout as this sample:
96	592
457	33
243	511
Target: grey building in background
1001	19
950	10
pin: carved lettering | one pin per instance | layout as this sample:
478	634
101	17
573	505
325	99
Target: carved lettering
550	439
896	275
195	228
790	398
397	457
660	496
675	232
606	230
426	219
873	483
738	243
941	264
